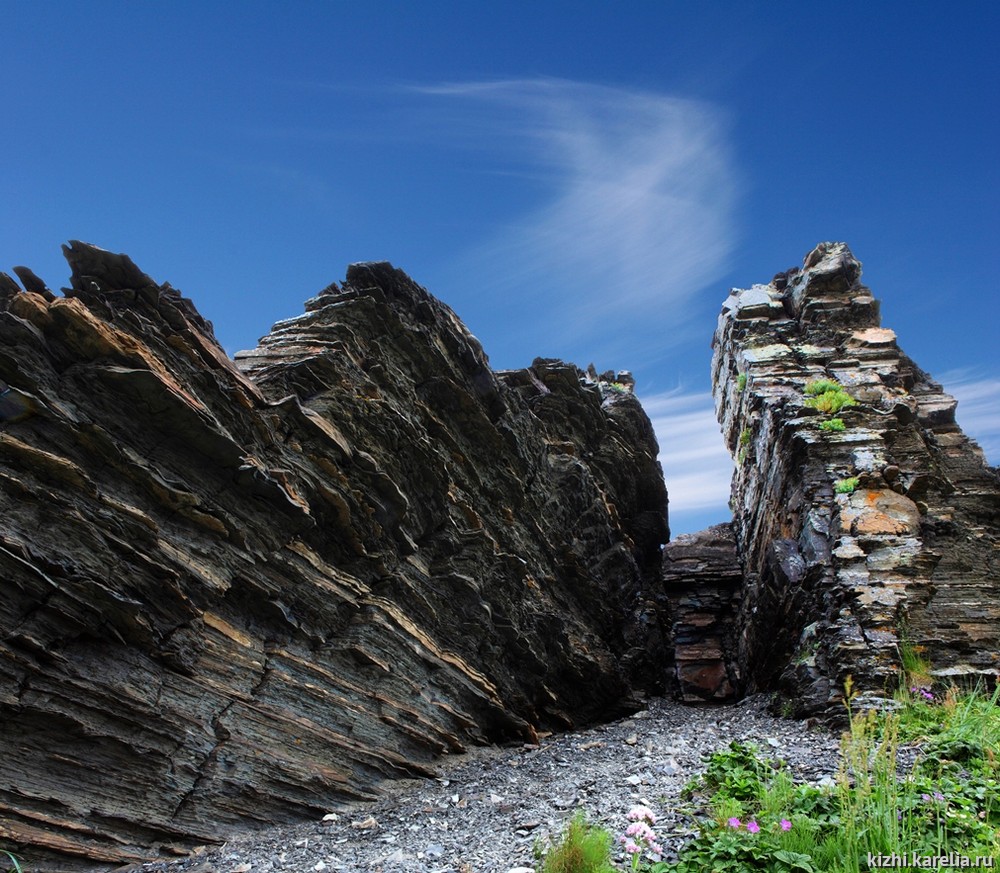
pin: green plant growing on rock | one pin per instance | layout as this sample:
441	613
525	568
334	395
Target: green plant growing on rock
846	486
582	848
826	395
835	425
741	382
745	435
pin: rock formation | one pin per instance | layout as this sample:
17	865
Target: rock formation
242	592
238	593
864	518
703	581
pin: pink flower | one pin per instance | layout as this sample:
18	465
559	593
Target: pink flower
786	825
753	827
632	848
640	831
734	822
641	813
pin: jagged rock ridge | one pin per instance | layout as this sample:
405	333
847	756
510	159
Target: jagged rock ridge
236	593
857	536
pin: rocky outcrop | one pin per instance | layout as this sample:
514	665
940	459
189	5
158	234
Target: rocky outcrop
864	518
239	593
703	579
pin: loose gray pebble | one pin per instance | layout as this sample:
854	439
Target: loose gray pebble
489	807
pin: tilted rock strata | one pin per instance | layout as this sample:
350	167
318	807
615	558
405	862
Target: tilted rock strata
240	594
835	581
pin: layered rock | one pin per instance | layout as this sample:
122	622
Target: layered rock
860	528
703	581
239	593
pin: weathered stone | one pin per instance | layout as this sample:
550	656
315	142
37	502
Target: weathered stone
235	594
834	580
702	579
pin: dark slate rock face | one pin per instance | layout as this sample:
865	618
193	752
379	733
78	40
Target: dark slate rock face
703	580
239	593
850	539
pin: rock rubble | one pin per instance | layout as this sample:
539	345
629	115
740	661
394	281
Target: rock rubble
486	810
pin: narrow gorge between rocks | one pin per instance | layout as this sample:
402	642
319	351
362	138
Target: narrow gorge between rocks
238	593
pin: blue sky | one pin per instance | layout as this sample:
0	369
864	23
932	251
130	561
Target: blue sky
576	180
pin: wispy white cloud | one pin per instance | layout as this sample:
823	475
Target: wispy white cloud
697	466
635	216
978	397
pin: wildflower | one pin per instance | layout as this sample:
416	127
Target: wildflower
926	798
786	825
734	822
641	813
640	836
640	830
753	827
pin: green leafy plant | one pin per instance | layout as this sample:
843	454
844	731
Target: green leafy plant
822	386
582	848
833	424
619	388
948	802
828	396
846	486
741	382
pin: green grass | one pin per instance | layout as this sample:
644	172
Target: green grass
15	865
582	848
753	816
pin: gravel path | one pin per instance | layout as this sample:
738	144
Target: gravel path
487	808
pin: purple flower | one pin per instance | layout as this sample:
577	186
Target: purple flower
926	798
753	827
786	825
734	822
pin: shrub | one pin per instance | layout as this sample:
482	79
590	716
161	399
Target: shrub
583	848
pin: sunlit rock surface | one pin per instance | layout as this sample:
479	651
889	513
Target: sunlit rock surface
838	572
239	593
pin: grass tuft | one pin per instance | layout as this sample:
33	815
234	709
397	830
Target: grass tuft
582	848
